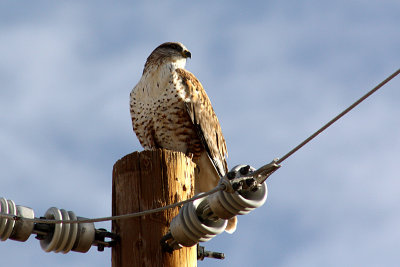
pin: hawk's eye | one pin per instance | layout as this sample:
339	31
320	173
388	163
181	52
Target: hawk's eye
176	47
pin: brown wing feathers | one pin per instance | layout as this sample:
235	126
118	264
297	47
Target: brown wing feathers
205	121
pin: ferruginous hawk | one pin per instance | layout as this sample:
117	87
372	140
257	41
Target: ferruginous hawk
170	109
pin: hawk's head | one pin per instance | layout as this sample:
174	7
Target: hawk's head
167	53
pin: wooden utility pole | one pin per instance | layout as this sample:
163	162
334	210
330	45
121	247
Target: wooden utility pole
143	181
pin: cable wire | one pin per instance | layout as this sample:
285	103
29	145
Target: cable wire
220	187
344	112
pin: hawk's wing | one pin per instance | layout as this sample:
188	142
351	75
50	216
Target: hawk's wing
205	121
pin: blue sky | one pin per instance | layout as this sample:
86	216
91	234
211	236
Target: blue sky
275	72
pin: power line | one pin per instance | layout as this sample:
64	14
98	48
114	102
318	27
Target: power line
344	112
220	187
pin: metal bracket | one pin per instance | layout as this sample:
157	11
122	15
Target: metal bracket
99	239
202	253
247	178
168	244
262	173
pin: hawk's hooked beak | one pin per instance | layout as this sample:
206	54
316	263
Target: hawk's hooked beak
186	54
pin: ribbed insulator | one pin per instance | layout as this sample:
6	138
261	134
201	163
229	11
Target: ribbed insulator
227	205
15	230
187	229
66	236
